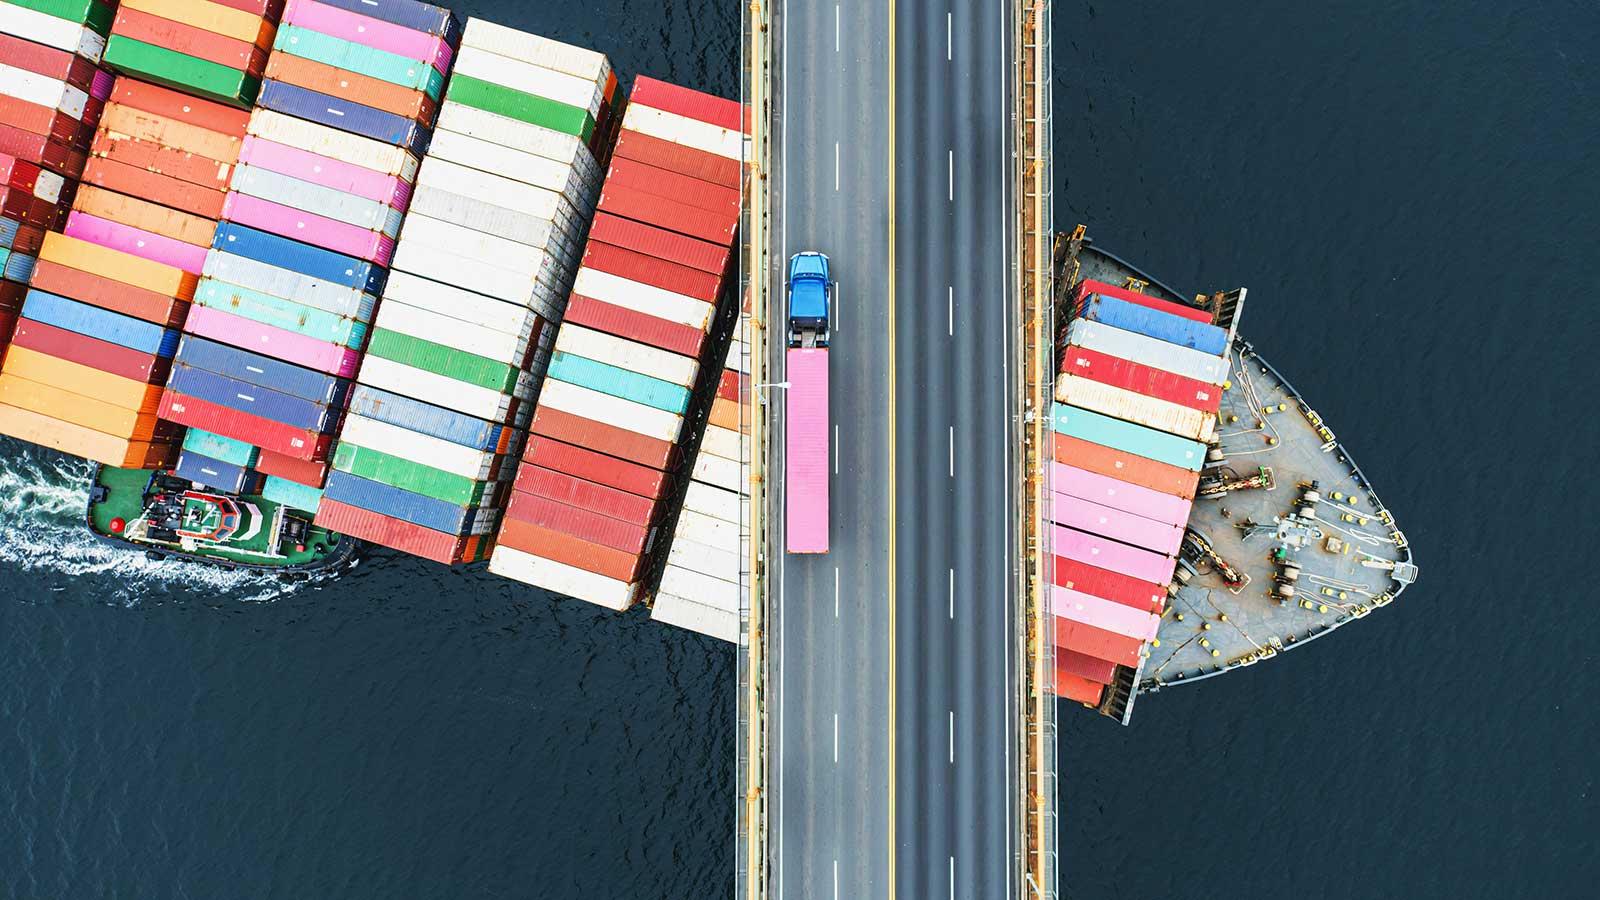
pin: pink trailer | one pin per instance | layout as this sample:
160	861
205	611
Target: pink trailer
805	473
1086	515
277	343
1103	613
1107	491
1106	553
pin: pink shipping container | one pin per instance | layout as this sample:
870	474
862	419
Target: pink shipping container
1085	515
274	342
1109	554
1134	498
806	471
1102	613
390	190
386	36
128	239
340	237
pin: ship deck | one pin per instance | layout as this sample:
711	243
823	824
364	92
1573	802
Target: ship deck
1352	557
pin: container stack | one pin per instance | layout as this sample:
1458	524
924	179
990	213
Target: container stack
630	360
99	324
481	273
1140	384
208	49
311	217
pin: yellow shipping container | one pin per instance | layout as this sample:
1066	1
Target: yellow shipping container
129	121
213	17
85	442
80	379
142	214
118	266
76	408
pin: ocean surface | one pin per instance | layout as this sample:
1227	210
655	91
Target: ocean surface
1410	195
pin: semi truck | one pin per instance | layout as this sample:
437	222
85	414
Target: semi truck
805	468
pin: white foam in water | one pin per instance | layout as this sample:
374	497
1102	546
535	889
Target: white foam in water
42	500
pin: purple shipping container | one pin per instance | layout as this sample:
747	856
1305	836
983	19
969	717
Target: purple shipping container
1134	498
274	342
1085	515
1106	553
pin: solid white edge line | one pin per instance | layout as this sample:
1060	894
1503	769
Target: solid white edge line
782	619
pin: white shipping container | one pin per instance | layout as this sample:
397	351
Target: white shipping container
439	390
670	609
592	404
1151	412
42	90
713	501
532	77
509	347
719	562
42	28
586	64
1148	351
723	442
47	186
509	562
470	242
724	473
449	300
520	227
315	198
704	529
475	273
333	143
625	354
645	298
497	189
736	357
288	284
684	130
705	589
423	449
526	136
527	168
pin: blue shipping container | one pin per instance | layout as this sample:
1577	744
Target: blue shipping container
1127	437
82	318
423	17
213	473
254	368
618	382
424	418
399	504
336	112
18	266
303	258
1163	326
217	446
291	494
8	231
252	398
289	284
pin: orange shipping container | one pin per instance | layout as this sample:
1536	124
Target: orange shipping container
143	182
725	414
76	408
156	157
364	89
1127	467
215	17
564	548
80	379
175	133
178	105
85	442
147	216
124	267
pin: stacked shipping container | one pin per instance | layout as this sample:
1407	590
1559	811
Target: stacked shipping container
312	211
481	272
1137	397
629	361
209	49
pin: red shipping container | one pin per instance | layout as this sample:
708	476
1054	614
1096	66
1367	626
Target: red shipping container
22	205
578	522
46	120
608	439
53	155
1077	688
635	326
187	196
1088	287
564	548
728	385
1141	379
389	532
645	269
1097	642
565	488
29	239
11	294
91	352
19	173
183	107
108	293
683	101
1127	467
660	243
1106	584
299	443
1085	666
665	213
596	467
706	195
48	61
189	40
665	154
299	471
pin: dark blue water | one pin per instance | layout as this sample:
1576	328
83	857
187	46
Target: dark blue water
1410	197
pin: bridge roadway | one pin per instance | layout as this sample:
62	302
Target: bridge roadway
892	770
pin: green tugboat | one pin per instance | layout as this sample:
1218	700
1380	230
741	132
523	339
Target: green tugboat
166	515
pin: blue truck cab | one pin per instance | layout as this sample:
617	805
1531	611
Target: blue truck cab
810	294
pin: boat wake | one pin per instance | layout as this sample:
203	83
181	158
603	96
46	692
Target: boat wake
42	500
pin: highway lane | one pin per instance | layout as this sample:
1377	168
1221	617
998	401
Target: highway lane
829	779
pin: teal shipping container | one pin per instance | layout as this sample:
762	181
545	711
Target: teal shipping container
618	382
292	494
280	313
218	447
1128	437
359	58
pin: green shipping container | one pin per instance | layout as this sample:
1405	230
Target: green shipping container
92	13
181	71
1128	437
410	476
618	382
515	104
359	58
218	447
256	306
292	494
442	360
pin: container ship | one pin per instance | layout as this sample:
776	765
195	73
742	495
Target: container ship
308	275
1202	516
